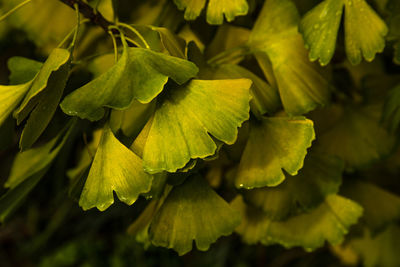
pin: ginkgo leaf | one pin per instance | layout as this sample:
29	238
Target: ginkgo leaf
114	168
320	27
182	123
274	144
320	176
10	96
265	99
192	212
330	222
216	10
139	74
192	8
355	135
28	169
380	206
275	39
381	250
56	62
47	105
365	31
22	69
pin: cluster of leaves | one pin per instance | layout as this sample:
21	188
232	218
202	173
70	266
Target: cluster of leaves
205	130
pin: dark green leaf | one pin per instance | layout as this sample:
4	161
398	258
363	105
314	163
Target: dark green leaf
192	212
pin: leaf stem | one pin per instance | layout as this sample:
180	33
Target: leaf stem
72	45
71	33
135	32
115	45
14	9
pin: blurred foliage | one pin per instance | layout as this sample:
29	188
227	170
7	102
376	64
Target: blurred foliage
255	155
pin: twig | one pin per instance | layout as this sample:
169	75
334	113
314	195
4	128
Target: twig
87	11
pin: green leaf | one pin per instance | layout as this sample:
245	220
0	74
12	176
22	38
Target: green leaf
46	106
230	8
265	99
391	111
276	41
365	31
182	123
330	222
28	169
320	27
320	176
274	144
139	74
380	206
132	120
216	9
381	250
10	96
55	63
114	168
355	134
172	43
192	212
192	8
22	69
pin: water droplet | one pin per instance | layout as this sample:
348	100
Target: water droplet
241	185
149	197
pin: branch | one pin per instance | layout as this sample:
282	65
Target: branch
88	12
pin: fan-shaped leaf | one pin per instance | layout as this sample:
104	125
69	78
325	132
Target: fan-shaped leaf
330	221
182	123
320	176
114	168
216	10
356	135
380	206
275	40
274	144
265	99
139	74
320	27
192	212
365	31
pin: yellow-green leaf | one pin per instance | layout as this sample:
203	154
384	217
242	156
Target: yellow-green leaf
139	74
182	125
320	176
276	41
114	168
274	144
